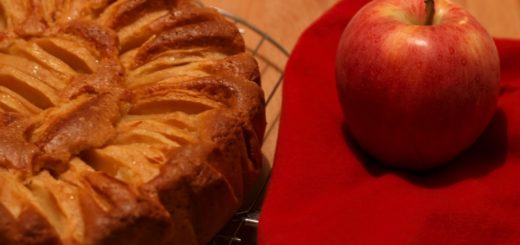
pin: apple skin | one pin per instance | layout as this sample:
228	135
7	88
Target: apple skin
416	96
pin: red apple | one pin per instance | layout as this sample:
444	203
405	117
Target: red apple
416	89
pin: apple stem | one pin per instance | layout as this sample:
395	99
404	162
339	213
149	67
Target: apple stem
430	12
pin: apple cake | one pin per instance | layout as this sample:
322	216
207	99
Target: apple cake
123	122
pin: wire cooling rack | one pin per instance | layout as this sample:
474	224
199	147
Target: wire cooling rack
271	57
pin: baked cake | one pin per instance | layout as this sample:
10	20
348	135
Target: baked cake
123	122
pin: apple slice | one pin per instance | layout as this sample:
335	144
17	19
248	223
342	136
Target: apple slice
185	101
143	82
179	120
77	168
33	69
38	92
47	201
35	53
73	9
60	199
220	36
190	70
23	210
133	163
135	34
13	194
57	12
158	21
72	51
194	64
12	102
159	67
18	199
75	175
173	65
169	135
138	135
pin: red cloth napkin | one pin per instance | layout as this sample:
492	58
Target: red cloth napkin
324	191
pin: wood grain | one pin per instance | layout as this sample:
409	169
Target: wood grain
286	19
500	18
282	19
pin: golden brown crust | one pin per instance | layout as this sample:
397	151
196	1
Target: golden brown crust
241	65
127	11
29	228
220	36
16	153
195	193
104	40
124	122
130	219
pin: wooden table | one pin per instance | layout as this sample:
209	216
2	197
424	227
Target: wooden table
285	20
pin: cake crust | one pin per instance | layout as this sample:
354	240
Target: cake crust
124	122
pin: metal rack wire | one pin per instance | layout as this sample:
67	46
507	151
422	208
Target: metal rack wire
242	228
